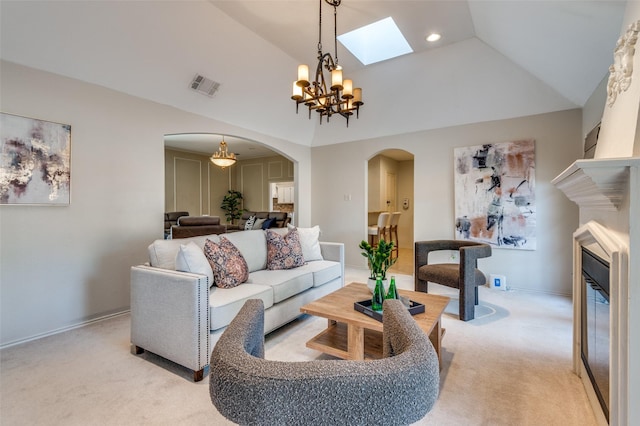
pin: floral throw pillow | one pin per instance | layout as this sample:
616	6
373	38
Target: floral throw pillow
284	251
229	267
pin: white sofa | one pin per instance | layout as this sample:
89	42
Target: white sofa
179	315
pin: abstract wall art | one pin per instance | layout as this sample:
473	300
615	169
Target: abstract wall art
35	161
495	194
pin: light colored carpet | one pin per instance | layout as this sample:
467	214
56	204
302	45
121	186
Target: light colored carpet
509	366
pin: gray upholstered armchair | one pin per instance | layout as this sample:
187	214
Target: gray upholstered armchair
398	389
465	276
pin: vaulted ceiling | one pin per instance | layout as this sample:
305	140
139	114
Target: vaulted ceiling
496	59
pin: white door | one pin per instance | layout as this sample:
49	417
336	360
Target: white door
390	193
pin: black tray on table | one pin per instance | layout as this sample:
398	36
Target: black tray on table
364	306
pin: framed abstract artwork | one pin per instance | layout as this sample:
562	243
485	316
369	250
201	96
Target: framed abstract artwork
495	194
35	161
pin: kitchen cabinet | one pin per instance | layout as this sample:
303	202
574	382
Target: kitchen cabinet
285	194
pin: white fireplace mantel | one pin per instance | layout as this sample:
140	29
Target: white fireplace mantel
596	183
607	192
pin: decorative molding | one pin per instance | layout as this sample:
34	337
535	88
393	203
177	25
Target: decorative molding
246	183
622	68
176	159
275	169
596	183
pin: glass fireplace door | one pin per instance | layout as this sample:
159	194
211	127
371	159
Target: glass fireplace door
595	324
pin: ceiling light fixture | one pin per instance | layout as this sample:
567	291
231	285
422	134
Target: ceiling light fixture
341	97
221	157
433	37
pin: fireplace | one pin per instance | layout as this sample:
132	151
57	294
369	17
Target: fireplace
595	325
606	284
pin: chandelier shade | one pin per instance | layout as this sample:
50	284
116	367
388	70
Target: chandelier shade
340	97
222	157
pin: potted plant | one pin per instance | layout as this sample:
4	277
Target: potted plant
231	204
380	261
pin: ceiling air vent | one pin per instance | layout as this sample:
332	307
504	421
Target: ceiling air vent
204	85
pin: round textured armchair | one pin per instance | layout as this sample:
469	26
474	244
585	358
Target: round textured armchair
398	389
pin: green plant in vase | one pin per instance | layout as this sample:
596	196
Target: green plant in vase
231	204
379	258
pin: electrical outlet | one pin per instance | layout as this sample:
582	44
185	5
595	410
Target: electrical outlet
498	282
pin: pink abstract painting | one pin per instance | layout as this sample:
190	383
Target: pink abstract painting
495	194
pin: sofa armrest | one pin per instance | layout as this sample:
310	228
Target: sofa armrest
170	316
334	252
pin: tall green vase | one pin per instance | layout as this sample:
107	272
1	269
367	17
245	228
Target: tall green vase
378	295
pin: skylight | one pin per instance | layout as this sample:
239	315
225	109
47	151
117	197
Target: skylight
376	42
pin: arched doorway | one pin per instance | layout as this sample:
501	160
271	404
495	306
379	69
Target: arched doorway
390	188
194	184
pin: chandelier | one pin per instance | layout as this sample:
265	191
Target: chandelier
339	98
221	157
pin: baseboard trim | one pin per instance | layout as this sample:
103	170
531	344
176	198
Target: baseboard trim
534	291
63	329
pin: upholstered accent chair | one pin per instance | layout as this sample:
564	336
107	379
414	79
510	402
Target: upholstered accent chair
398	389
464	275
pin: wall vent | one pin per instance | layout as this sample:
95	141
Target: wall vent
204	85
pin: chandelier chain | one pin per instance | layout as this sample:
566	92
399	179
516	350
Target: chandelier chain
320	28
339	97
335	32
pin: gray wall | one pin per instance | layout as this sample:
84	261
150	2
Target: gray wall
194	184
61	266
558	144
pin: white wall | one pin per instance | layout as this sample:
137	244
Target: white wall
60	266
620	131
558	143
64	265
594	107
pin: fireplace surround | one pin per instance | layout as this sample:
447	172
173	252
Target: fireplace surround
607	192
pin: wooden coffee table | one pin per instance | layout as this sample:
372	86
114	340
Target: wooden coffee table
353	335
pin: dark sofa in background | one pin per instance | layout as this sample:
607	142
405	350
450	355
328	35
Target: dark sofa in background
193	226
281	220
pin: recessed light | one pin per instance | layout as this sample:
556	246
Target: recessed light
433	37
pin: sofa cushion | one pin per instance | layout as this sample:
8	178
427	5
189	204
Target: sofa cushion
285	283
229	267
191	258
310	242
225	303
323	271
253	246
198	220
284	251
